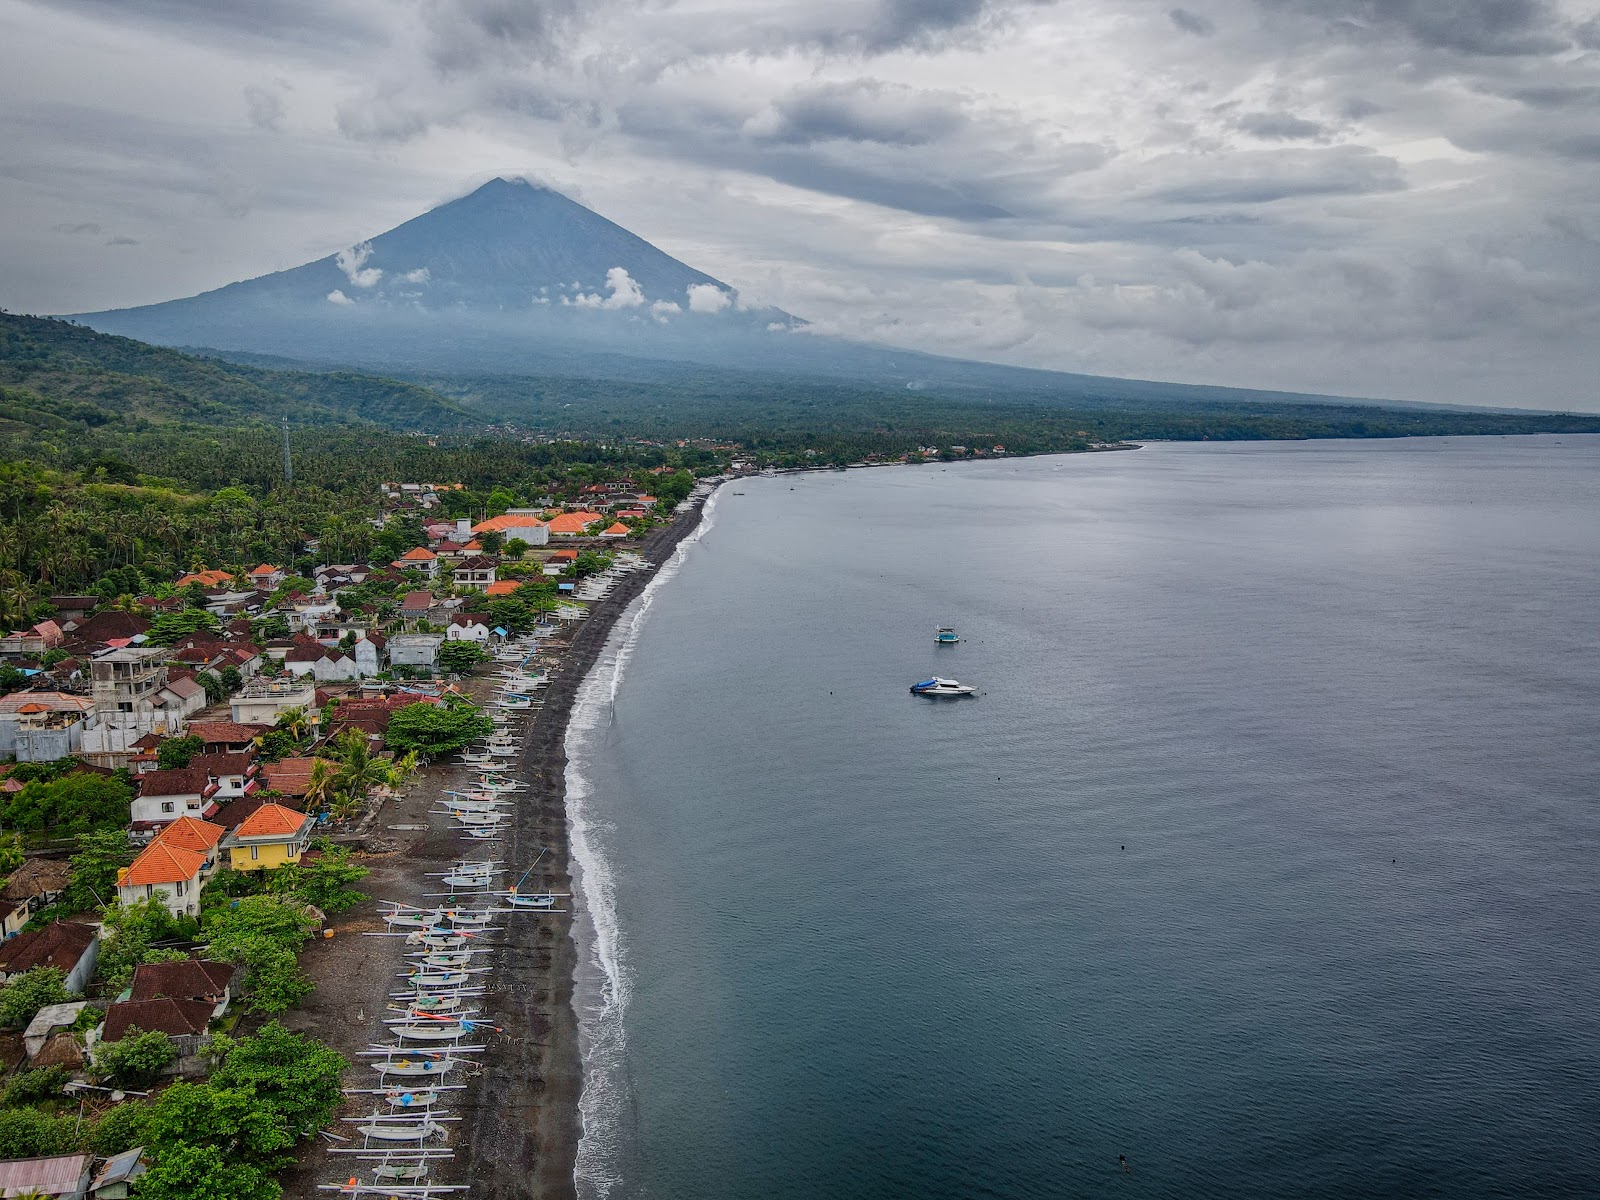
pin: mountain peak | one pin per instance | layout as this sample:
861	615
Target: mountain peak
510	245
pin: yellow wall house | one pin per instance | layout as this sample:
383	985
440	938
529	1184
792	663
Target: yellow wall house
269	837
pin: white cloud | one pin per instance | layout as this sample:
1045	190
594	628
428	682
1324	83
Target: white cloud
352	261
664	310
420	275
707	298
337	296
625	293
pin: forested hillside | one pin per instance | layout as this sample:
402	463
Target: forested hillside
62	377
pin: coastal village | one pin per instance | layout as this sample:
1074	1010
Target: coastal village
282	849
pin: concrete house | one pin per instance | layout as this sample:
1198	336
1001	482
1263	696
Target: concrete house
266	577
185	697
415	650
71	947
517	524
272	836
468	627
262	700
474	574
124	683
170	873
43	726
164	796
419	559
368	654
233	775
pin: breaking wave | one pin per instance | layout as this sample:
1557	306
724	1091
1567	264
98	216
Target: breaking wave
602	982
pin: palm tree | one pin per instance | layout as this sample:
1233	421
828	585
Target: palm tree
321	788
295	722
359	769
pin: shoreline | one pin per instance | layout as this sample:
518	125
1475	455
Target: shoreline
525	1126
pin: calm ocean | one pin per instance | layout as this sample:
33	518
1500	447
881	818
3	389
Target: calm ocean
1266	858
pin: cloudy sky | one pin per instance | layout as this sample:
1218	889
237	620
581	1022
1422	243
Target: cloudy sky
1378	197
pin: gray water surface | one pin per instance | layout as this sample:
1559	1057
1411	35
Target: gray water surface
1267	856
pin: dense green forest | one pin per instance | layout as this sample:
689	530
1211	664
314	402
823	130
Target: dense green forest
57	376
780	419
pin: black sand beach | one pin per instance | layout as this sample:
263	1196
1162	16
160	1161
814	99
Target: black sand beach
520	1134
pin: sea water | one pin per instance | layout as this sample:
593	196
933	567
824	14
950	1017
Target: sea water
1266	857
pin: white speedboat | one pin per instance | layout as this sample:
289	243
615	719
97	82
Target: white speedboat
938	686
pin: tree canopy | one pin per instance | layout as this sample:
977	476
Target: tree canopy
434	729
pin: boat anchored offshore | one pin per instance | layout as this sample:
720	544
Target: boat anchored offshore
942	687
946	636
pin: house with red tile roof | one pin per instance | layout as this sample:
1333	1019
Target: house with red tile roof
266	577
574	523
272	836
184	1021
46	635
289	776
71	947
172	873
517	524
475	574
226	736
615	530
206	579
188	979
502	587
165	796
191	833
419	559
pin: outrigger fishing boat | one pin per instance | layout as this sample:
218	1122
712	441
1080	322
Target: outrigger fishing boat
410	1062
381	1127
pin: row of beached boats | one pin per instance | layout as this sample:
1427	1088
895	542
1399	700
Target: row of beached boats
435	1031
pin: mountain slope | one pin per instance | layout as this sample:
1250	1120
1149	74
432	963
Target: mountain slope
54	374
518	280
510	248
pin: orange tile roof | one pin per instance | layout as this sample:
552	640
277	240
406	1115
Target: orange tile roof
205	579
191	833
501	524
503	588
618	527
418	555
264	569
574	522
161	863
271	820
564	555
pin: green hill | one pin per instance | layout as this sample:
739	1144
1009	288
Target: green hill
56	376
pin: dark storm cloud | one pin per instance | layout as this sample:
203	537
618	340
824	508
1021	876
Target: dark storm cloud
467	34
307	22
884	25
1279	127
1471	27
1557	97
865	111
1261	177
1192	22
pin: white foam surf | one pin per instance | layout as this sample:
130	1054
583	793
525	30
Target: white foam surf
602	982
